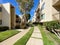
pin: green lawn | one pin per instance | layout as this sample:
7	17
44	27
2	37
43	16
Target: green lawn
56	39
25	38
46	38
6	34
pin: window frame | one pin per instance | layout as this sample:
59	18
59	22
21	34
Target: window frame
0	22
0	9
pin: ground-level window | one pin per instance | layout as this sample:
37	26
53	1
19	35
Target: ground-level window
0	22
42	16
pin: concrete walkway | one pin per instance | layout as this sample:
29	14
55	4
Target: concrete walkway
36	38
12	40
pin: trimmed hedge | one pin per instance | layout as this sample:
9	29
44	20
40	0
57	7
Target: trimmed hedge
52	25
17	27
3	28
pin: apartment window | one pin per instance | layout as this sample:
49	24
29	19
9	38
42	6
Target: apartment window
18	21
42	16
0	9
0	22
43	5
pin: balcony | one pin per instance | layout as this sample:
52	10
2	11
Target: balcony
56	16
56	2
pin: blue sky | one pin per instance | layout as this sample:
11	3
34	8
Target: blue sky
15	4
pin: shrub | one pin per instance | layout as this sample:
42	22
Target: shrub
3	28
17	27
52	25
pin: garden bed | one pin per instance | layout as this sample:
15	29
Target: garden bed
46	38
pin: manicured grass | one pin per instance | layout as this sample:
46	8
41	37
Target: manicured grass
46	39
25	38
6	34
54	37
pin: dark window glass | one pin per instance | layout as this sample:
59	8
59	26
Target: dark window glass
42	16
18	21
0	22
43	5
0	9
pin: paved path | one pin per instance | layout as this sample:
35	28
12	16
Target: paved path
12	40
36	38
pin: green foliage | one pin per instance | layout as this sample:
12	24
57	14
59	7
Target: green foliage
54	37
3	28
52	25
25	5
27	16
25	38
46	38
6	34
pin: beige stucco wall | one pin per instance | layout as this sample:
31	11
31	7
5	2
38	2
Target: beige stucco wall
13	17
47	10
0	15
55	14
6	15
56	9
54	1
51	13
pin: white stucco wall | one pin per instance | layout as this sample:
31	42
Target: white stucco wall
6	15
47	10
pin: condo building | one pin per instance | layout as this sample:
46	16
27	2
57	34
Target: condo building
56	9
36	17
18	21
7	15
50	10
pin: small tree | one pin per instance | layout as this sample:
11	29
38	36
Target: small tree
27	16
25	7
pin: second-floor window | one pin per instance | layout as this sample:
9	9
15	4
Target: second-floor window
43	6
